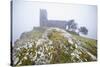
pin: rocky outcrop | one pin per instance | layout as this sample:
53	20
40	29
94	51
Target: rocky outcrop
50	46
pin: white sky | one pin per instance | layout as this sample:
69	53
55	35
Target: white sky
26	15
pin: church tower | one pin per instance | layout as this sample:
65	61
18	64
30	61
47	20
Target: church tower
43	17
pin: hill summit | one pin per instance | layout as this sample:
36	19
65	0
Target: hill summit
53	45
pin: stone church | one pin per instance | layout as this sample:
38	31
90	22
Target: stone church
44	22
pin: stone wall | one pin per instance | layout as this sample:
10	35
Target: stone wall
44	22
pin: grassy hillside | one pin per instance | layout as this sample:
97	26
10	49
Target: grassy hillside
53	45
90	44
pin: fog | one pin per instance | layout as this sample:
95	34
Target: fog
26	16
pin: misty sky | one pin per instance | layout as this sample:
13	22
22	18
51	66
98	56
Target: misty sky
26	15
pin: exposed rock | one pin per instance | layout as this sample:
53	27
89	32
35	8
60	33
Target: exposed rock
52	45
